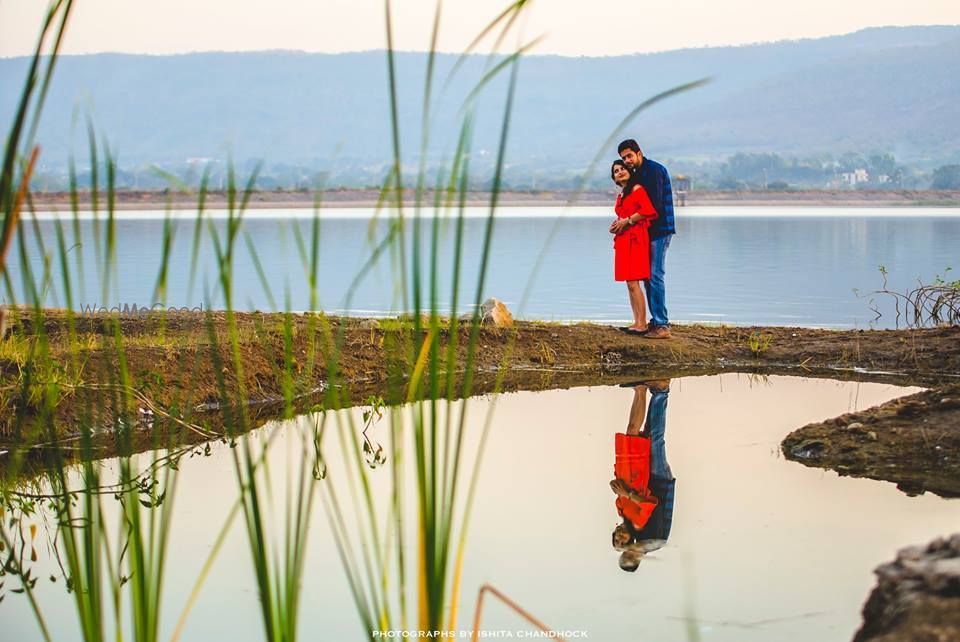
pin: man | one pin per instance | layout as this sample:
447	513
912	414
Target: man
655	179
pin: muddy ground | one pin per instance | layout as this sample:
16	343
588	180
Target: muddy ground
906	441
181	366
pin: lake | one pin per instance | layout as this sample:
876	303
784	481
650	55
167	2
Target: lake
760	548
732	265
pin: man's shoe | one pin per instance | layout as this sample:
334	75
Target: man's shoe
658	385
658	332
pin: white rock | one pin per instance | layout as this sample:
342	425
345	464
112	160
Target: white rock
495	312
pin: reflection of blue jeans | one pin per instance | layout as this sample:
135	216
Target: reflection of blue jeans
656	428
655	286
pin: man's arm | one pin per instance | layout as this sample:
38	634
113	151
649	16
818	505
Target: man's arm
666	194
657	187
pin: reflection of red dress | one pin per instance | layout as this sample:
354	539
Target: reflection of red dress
631	248
632	465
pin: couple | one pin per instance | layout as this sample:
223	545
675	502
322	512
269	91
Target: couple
643	482
642	234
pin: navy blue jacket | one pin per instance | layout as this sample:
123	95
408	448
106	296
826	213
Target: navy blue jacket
655	178
658	526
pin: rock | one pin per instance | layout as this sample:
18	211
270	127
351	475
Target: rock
872	436
917	596
809	450
611	359
494	312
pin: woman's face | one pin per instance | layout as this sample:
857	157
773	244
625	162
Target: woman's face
620	175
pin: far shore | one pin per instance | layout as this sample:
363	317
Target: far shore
368	198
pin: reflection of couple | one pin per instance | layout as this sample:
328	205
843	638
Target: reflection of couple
642	234
642	480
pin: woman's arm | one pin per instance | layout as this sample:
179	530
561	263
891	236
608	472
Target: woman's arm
620	488
620	224
643	208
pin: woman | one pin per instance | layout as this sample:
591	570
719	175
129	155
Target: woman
631	243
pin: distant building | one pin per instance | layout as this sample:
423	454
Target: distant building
854	178
681	185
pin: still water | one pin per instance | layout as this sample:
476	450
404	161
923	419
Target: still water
756	265
759	548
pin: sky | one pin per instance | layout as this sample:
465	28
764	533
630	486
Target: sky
568	27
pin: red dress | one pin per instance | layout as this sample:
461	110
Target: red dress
631	248
632	465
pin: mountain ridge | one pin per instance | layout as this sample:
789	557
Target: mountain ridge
797	97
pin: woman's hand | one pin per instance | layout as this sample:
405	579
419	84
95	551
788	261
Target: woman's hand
620	487
619	225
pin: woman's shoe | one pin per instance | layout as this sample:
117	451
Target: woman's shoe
637	332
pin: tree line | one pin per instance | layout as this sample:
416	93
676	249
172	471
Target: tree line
740	171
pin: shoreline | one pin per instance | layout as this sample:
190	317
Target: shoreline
181	371
357	198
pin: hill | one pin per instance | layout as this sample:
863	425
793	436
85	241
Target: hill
890	89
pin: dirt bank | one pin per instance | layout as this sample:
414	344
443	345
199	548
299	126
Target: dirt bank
913	441
180	368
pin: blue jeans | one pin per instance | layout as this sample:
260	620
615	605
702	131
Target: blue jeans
655	286
656	428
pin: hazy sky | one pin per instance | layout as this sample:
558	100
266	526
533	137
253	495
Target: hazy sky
571	27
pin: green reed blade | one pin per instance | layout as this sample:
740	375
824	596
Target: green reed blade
198	228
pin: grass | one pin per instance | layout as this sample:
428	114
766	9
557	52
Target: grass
15	350
927	305
759	343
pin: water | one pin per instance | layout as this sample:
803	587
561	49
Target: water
759	265
760	548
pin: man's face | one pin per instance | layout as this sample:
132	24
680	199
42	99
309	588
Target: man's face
631	158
